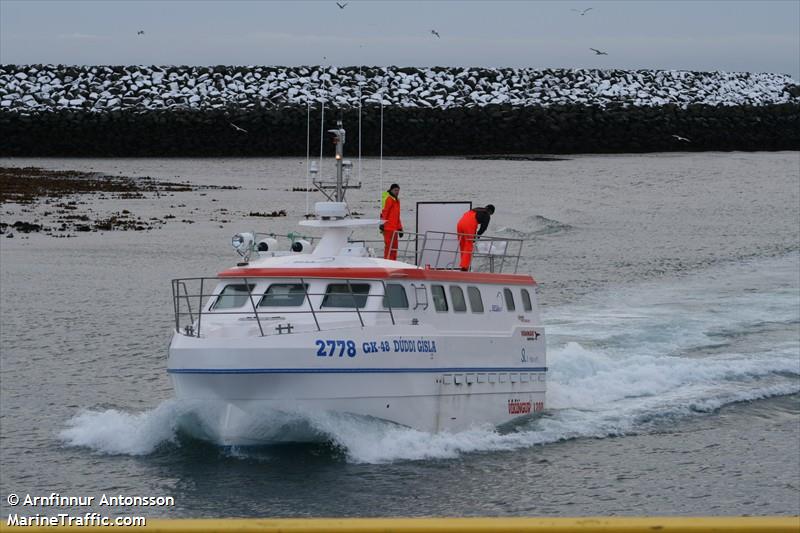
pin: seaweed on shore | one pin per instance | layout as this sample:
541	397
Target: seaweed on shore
26	185
61	190
281	213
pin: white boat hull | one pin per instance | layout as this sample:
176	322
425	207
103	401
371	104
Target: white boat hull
427	381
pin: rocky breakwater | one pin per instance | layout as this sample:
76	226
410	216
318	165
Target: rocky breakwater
227	110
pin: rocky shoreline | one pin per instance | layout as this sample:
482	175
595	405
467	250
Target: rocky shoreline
61	203
48	110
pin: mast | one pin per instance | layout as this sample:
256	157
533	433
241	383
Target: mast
344	168
333	215
338	140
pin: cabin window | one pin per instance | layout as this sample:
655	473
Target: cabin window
475	301
395	297
457	297
509	299
526	300
346	295
284	295
439	298
233	296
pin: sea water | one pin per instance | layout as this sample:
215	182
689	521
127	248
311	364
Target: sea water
670	287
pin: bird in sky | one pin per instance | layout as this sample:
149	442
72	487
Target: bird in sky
681	139
598	52
237	128
436	33
140	32
341	6
583	11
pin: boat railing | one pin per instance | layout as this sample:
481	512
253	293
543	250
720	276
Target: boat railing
191	297
441	250
406	247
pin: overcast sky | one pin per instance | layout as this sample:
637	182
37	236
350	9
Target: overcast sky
755	36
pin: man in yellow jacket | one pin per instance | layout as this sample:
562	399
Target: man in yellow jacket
392	227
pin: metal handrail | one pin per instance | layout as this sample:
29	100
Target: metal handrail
512	249
355	304
253	308
310	305
403	246
188	303
434	242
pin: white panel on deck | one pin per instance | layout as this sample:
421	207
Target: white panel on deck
492	378
514	378
447	379
470	378
524	377
503	378
439	251
481	378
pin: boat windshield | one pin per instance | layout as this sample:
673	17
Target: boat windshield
233	296
284	295
346	295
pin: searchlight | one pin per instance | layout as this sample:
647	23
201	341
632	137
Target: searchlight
243	244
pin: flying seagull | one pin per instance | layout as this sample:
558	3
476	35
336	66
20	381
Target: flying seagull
682	139
583	11
598	52
140	32
237	128
436	33
341	6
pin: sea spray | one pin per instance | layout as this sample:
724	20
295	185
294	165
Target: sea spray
620	362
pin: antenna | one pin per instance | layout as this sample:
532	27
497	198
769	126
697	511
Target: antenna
321	132
308	151
380	173
359	123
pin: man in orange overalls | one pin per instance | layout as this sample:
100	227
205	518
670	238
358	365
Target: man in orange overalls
392	228
473	222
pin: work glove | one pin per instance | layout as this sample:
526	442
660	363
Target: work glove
400	234
380	228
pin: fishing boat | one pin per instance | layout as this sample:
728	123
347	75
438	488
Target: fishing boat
328	325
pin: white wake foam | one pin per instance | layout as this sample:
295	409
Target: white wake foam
117	432
619	362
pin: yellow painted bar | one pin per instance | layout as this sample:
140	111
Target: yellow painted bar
767	524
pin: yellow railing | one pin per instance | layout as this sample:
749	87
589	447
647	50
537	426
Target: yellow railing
771	524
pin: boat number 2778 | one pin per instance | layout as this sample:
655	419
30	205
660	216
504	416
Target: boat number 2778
332	348
342	347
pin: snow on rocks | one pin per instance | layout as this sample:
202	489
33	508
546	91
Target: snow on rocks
143	88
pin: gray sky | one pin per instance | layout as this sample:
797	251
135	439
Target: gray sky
755	36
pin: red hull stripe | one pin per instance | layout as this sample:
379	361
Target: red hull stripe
453	276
